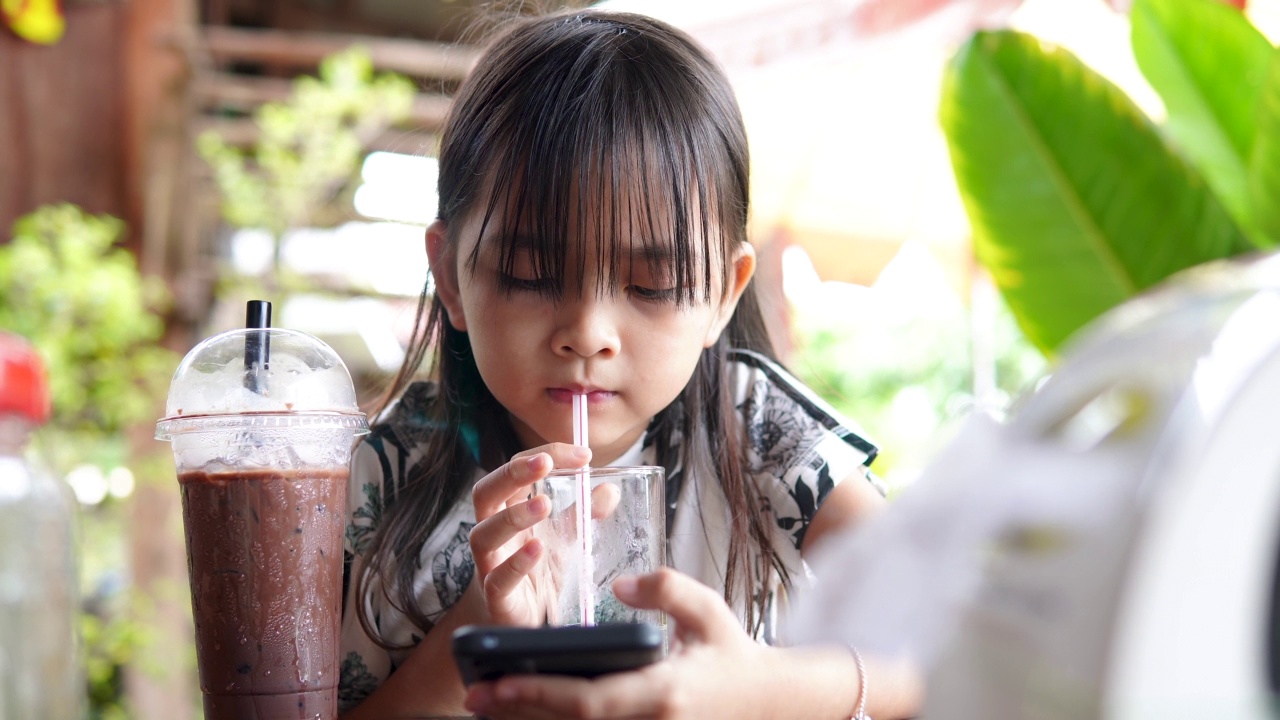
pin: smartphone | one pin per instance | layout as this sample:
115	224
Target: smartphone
488	652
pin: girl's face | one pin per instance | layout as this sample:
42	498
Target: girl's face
630	346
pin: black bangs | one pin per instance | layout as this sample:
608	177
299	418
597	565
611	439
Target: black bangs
602	144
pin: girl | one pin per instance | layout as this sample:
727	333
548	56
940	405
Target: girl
592	238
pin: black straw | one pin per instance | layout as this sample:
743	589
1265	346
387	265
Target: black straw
257	345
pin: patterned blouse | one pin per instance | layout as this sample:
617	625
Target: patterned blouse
799	448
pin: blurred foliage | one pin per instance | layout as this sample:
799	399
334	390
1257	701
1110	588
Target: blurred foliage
110	645
904	371
69	288
310	147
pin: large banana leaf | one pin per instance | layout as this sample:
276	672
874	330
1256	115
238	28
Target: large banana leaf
1264	162
1208	63
1075	202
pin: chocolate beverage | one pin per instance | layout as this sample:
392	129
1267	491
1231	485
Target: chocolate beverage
264	550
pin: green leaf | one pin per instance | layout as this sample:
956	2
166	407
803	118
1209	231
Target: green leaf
1208	63
1075	202
1264	161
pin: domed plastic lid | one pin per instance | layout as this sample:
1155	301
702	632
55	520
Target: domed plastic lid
267	376
24	388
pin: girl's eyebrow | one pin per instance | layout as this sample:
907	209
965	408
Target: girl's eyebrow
525	242
654	254
521	241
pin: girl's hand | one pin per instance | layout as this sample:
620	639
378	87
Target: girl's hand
711	672
715	670
502	544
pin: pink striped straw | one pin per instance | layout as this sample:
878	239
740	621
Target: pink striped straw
586	581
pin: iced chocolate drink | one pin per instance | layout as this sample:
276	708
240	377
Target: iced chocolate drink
262	423
265	594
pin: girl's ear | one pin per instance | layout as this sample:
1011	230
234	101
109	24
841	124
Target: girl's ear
744	267
444	270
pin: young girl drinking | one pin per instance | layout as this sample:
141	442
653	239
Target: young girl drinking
591	239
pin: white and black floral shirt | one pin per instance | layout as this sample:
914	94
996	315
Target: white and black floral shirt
799	449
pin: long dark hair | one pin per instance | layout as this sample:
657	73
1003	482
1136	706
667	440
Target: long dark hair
605	123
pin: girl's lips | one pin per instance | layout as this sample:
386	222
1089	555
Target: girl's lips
565	395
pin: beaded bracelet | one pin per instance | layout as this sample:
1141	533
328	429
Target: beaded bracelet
860	713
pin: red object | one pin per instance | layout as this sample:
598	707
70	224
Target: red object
24	386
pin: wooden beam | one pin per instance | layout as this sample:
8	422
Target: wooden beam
243	133
247	92
303	49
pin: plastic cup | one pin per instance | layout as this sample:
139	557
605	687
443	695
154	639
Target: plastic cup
628	536
262	452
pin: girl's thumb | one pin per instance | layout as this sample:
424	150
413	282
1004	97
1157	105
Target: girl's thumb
695	608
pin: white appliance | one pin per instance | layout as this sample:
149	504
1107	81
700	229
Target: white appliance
1110	551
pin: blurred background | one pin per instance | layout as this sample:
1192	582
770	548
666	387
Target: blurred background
165	160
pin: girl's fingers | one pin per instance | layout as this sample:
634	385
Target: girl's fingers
491	493
619	695
534	697
501	582
604	500
697	610
510	481
489	535
480	699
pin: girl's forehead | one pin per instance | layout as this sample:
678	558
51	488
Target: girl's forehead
617	219
595	244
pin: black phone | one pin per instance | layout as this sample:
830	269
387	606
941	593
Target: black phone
486	652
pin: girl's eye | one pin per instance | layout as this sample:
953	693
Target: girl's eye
665	295
541	286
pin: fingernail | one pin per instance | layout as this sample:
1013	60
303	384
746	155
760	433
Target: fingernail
535	462
506	692
626	587
582	453
539	504
532	548
478	700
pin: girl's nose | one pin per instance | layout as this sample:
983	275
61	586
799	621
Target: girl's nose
586	327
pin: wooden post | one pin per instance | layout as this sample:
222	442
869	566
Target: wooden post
154	85
160	682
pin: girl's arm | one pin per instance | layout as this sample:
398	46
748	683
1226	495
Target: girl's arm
715	670
850	502
427	683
